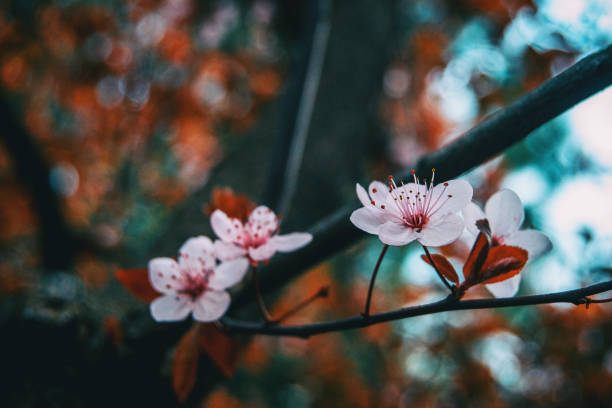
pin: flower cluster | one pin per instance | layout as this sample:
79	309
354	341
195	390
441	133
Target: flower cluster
439	215
197	283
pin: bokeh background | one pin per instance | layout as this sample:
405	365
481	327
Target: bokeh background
134	112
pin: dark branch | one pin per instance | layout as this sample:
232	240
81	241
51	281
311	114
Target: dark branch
335	233
576	297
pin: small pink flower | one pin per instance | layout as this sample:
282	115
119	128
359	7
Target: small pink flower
505	214
413	211
258	238
193	284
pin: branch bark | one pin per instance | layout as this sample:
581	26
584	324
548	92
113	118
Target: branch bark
450	303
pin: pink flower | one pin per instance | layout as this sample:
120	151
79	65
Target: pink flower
193	284
413	211
505	214
258	238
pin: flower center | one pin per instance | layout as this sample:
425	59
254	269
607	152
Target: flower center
417	202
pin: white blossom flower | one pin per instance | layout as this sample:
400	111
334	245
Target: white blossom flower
413	211
505	214
193	284
258	238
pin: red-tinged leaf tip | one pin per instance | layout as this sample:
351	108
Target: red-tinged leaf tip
113	331
503	262
444	267
220	348
476	258
136	280
185	364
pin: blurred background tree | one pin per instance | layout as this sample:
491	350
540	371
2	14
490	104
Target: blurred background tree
120	118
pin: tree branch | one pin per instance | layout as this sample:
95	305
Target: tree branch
491	137
450	303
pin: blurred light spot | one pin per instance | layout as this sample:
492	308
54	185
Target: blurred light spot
150	29
107	236
498	352
108	91
135	88
421	364
263	11
541	380
396	82
64	179
590	124
578	204
551	276
98	46
208	90
528	183
415	270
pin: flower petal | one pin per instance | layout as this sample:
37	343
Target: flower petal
228	274
534	242
211	305
198	250
291	242
227	251
368	220
225	227
263	252
264	216
392	233
450	197
164	275
506	288
472	213
505	213
444	231
379	192
170	308
362	194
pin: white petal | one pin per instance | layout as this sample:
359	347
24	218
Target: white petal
362	194
227	251
532	241
472	213
291	242
442	231
368	219
392	233
378	192
228	274
450	198
505	213
211	305
506	288
264	216
263	252
164	275
223	225
197	250
170	308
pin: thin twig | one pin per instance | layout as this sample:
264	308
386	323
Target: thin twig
260	301
450	303
321	293
442	278
366	311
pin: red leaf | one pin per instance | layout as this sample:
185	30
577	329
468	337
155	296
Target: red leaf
113	331
443	266
137	282
503	262
185	364
221	348
477	257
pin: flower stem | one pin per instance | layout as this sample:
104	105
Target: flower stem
366	312
321	293
444	281
260	301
